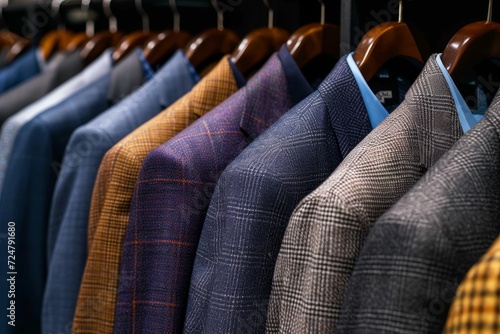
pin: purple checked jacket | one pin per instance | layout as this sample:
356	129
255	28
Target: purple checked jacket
173	192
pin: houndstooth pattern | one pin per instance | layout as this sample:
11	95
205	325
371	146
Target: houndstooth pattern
253	201
327	229
416	254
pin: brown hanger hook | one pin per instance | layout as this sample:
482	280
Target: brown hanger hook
220	15
177	15
270	17
113	24
144	15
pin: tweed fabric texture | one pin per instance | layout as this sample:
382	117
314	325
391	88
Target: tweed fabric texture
69	214
113	191
171	199
327	229
254	198
476	307
416	253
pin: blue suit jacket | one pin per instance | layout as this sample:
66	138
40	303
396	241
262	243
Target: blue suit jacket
27	192
22	69
68	224
254	199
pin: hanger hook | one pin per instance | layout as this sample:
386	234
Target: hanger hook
270	17
56	5
113	24
400	18
3	4
490	11
90	24
144	15
177	15
323	11
220	15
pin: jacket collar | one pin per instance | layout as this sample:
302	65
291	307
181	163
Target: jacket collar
431	106
348	113
126	76
279	81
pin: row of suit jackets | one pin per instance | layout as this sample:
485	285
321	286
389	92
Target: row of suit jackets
273	205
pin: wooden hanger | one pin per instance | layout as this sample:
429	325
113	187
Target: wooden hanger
21	45
212	43
313	40
77	41
54	41
129	42
102	40
96	45
471	44
16	44
258	46
384	42
160	48
138	38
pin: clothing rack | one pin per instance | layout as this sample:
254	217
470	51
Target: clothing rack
196	15
355	17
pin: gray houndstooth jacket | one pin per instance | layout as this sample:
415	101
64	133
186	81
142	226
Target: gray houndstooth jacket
327	229
418	252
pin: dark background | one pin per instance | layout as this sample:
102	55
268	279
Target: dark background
33	18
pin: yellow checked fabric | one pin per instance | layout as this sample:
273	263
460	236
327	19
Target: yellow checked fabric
476	308
111	199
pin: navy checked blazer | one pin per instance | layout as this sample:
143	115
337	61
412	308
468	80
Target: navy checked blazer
173	192
254	198
418	252
68	224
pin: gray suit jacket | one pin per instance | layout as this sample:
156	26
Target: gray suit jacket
418	252
24	94
327	229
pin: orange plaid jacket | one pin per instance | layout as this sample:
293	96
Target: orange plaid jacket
112	196
476	308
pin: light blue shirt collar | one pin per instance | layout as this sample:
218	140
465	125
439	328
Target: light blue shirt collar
376	111
466	117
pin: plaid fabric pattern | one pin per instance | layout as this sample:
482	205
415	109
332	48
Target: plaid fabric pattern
171	199
416	254
253	201
476	307
69	214
327	229
113	191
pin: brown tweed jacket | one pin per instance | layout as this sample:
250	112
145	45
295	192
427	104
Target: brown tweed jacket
113	190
